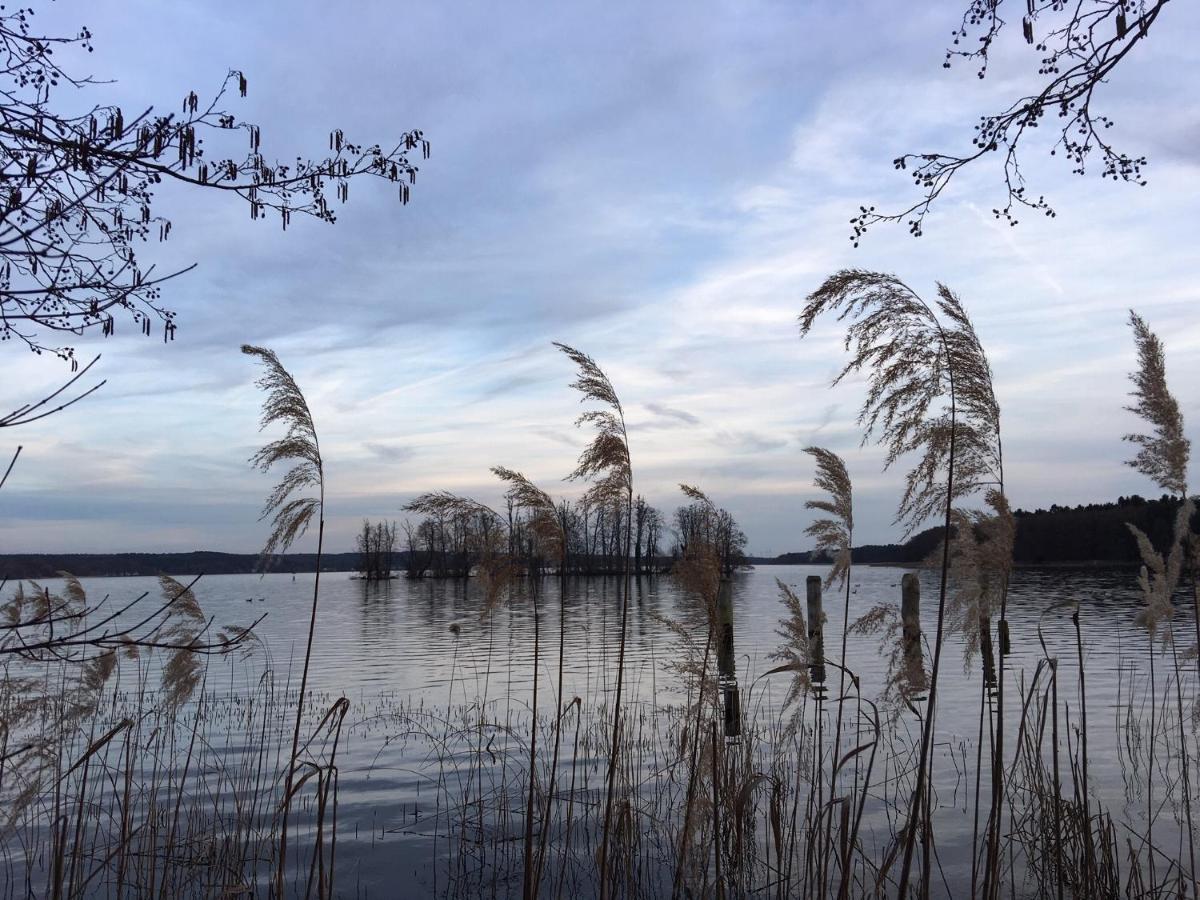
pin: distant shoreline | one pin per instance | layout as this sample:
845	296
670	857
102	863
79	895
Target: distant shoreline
33	566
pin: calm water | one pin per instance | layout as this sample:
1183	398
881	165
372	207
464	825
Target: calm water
404	645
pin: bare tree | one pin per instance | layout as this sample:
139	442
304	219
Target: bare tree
376	546
78	190
701	522
1080	44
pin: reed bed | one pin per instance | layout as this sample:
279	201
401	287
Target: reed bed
125	776
185	802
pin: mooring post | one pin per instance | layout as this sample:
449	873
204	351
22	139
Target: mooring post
910	608
989	655
725	660
816	628
727	674
910	619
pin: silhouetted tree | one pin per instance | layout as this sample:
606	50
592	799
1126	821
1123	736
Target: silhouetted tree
716	529
77	190
376	549
1078	47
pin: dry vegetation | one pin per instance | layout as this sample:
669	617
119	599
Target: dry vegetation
112	788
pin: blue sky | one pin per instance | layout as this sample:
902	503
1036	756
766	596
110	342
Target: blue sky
657	184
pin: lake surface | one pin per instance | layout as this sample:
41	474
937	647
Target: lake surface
402	649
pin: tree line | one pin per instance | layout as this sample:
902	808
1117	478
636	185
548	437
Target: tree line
450	545
1087	533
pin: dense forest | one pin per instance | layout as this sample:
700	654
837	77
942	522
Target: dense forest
1085	534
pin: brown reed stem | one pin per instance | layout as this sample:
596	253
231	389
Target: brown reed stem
690	797
1186	771
716	799
562	641
529	880
1059	875
927	729
615	744
1089	848
291	766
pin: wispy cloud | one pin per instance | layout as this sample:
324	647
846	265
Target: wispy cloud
658	188
676	415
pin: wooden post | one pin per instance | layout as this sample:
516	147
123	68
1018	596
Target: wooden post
816	628
910	618
727	674
725	660
988	652
910	608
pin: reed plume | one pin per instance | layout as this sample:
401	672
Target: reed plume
794	654
929	392
1163	454
1160	574
543	518
607	464
183	669
34	708
905	679
834	532
83	647
284	404
928	387
496	567
981	554
1163	457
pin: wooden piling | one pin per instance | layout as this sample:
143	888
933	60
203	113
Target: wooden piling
725	656
910	608
910	618
988	652
727	675
816	628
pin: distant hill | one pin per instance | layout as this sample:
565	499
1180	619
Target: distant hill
1086	534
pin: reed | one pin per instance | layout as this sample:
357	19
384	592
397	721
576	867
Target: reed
125	774
291	515
929	392
607	464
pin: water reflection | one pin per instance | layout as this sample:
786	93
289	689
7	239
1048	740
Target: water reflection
432	645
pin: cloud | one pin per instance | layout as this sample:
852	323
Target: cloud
668	412
390	452
658	188
749	442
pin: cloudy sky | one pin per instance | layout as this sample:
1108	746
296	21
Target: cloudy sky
658	184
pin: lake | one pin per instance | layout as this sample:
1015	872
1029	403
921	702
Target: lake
424	669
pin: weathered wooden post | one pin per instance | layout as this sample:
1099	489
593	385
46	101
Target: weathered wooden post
816	628
1005	644
910	619
910	609
730	696
986	648
725	665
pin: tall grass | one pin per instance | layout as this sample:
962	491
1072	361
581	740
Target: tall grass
291	515
124	774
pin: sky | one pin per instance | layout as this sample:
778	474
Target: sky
660	185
